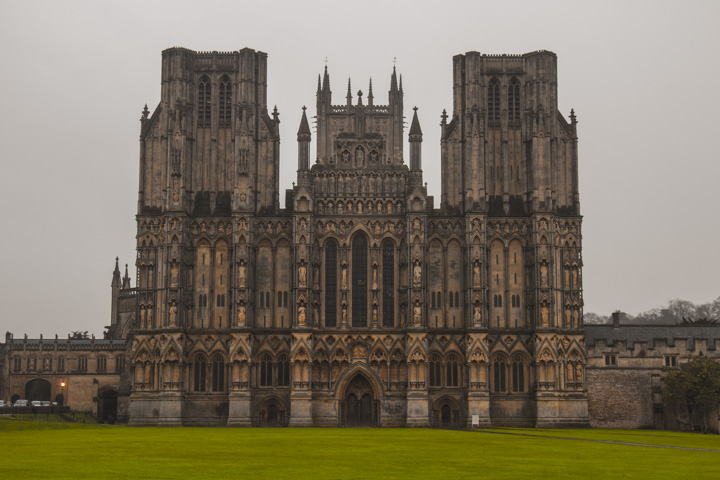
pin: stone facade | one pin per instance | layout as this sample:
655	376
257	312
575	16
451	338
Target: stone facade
361	302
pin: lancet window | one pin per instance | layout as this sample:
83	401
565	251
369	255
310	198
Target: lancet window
204	101
331	284
359	281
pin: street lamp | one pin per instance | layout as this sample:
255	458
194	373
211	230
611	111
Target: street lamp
62	394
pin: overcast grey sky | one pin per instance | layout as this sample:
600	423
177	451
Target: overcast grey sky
75	75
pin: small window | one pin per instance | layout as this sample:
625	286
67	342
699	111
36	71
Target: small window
671	360
610	360
17	364
82	363
285	299
439	296
102	363
119	363
61	364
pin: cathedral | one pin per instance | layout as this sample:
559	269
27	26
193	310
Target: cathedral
362	302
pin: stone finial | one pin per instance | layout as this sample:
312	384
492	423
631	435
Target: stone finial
145	114
444	117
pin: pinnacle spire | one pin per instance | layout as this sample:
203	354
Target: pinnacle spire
370	93
116	274
304	125
349	93
393	81
326	81
415	125
401	90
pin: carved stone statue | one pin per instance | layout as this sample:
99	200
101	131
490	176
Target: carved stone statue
544	275
417	274
302	275
417	313
476	274
374	277
343	277
544	315
174	274
241	315
242	275
301	314
477	315
173	314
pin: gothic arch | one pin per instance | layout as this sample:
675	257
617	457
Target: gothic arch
349	373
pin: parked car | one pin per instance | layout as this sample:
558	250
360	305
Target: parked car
46	403
21	403
36	403
2	403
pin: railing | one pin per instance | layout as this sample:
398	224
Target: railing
143	386
301	384
546	385
417	385
477	385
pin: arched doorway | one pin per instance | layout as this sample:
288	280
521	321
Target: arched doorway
359	403
37	389
446	413
272	413
107	406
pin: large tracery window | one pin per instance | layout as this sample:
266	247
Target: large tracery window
494	102
204	102
331	284
225	101
388	279
359	281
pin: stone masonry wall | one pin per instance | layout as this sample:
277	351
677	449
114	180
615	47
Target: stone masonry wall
620	398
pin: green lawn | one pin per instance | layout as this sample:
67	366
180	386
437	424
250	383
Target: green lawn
57	450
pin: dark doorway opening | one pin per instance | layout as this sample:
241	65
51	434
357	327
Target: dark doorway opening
37	389
107	406
360	410
445	415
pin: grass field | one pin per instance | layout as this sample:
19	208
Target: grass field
58	450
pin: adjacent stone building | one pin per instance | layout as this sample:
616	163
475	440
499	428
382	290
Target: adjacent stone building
362	302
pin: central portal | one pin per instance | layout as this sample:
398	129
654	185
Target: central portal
359	403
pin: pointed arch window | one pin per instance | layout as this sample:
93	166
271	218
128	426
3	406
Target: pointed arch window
518	375
499	375
388	279
266	371
199	374
359	281
514	103
283	371
204	99
435	374
494	103
331	284
218	374
451	372
225	102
